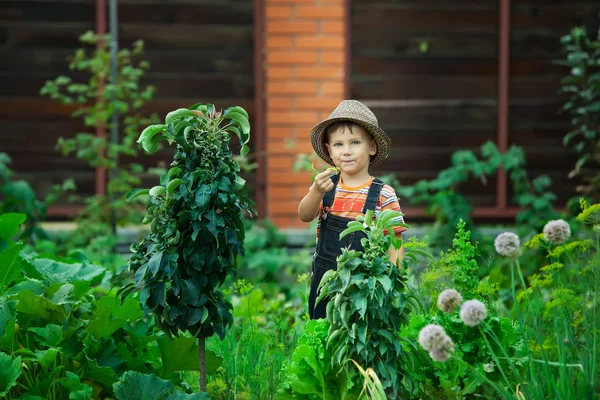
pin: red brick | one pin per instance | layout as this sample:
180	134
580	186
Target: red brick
319	12
333	57
318	103
279	42
279	73
320	42
297	178
274	12
270	2
289	147
292	57
280	132
282	163
279	103
320	72
332	88
294	88
291	27
332	27
291	117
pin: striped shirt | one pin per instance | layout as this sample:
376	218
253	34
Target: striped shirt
349	202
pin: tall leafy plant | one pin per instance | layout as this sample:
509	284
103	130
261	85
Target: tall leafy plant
196	217
369	301
582	85
95	99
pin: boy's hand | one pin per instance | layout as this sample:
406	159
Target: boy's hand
323	183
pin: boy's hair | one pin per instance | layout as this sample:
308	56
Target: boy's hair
341	125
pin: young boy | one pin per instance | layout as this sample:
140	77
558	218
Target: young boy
351	140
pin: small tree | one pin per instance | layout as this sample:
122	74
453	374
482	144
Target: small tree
369	302
96	96
196	218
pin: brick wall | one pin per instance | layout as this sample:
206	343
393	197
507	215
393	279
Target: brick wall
304	78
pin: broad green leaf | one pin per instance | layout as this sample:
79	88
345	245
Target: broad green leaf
244	150
10	224
50	335
173	185
181	354
151	136
203	194
242	122
77	390
110	315
54	271
93	372
10	370
178	114
157	191
136	386
236	109
132	194
174	172
7	323
239	183
10	266
32	304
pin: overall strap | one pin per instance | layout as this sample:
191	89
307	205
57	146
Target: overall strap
373	196
328	198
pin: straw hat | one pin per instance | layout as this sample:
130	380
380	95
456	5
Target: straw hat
355	111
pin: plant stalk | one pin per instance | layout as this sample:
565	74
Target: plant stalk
202	354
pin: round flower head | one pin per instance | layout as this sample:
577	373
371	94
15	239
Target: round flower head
442	353
507	244
448	300
473	312
557	231
431	336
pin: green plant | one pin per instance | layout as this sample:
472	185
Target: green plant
17	196
582	85
196	219
473	361
369	301
95	100
312	372
63	336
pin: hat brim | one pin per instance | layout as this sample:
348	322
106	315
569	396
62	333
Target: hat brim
317	136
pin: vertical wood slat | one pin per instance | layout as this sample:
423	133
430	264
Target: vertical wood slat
259	106
100	131
503	97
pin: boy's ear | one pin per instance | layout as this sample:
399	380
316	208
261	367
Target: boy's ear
328	149
373	149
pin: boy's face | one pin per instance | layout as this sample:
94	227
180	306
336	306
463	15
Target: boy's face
351	149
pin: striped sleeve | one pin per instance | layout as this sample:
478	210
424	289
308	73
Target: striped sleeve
389	201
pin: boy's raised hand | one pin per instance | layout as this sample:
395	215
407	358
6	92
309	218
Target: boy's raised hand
323	183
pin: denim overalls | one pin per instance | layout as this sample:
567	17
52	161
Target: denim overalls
329	246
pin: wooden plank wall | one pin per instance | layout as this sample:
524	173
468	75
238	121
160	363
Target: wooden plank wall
461	66
198	52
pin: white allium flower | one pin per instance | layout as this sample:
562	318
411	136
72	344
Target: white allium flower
473	312
508	244
448	300
431	335
557	231
434	339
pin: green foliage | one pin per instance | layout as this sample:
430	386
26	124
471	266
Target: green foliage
17	196
196	219
312	373
95	100
582	85
453	379
369	301
136	386
62	336
443	199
